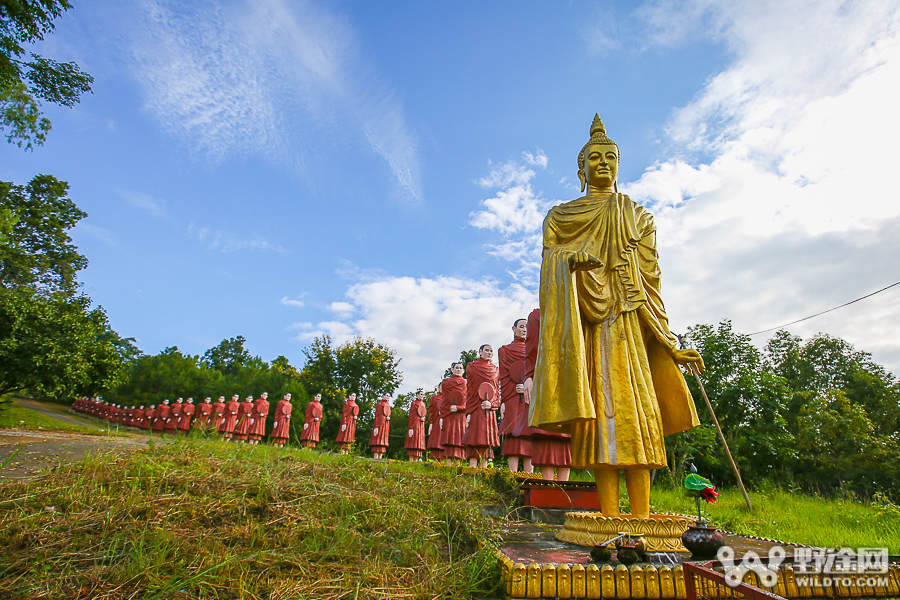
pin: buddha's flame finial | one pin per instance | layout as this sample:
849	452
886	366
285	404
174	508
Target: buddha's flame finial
597	126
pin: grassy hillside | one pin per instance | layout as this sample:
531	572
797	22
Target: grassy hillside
213	520
782	515
14	416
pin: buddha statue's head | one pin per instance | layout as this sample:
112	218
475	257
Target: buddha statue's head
457	369
317	397
598	161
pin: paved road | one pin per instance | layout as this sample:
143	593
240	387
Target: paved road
26	452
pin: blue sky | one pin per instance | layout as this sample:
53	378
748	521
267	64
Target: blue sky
279	169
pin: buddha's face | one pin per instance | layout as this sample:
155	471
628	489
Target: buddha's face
420	396
287	397
520	329
318	398
352	398
235	398
486	353
601	165
386	397
457	370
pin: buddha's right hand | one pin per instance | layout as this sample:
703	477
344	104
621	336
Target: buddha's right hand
583	261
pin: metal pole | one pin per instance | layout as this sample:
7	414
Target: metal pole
737	473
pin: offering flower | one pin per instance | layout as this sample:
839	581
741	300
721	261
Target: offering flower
699	488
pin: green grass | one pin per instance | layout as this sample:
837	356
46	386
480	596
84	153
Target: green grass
796	518
13	416
204	519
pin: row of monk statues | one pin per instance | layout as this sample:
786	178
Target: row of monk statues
459	422
234	420
246	421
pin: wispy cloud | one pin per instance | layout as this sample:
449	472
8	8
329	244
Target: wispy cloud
285	80
99	233
428	321
222	240
778	199
516	212
155	207
295	302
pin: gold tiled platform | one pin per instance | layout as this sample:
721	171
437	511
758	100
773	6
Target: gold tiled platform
535	564
591	581
662	532
652	582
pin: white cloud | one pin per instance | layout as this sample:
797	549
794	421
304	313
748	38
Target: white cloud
343	309
288	301
285	80
224	241
428	321
516	213
100	233
794	210
155	207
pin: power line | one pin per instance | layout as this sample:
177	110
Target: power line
827	311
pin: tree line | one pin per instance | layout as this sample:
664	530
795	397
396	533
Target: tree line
815	415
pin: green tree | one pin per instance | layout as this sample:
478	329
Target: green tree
750	402
825	363
361	366
58	346
37	251
24	80
229	357
368	369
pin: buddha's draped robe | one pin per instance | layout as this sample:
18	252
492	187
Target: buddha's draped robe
162	413
379	441
415	432
260	411
549	449
310	433
604	370
513	445
229	419
481	434
453	393
204	410
244	415
218	414
434	422
281	424
347	435
174	416
184	422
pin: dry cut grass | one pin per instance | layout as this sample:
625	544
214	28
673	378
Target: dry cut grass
204	519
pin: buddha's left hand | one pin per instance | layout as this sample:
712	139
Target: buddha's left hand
689	357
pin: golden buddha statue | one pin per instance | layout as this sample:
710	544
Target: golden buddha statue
607	368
